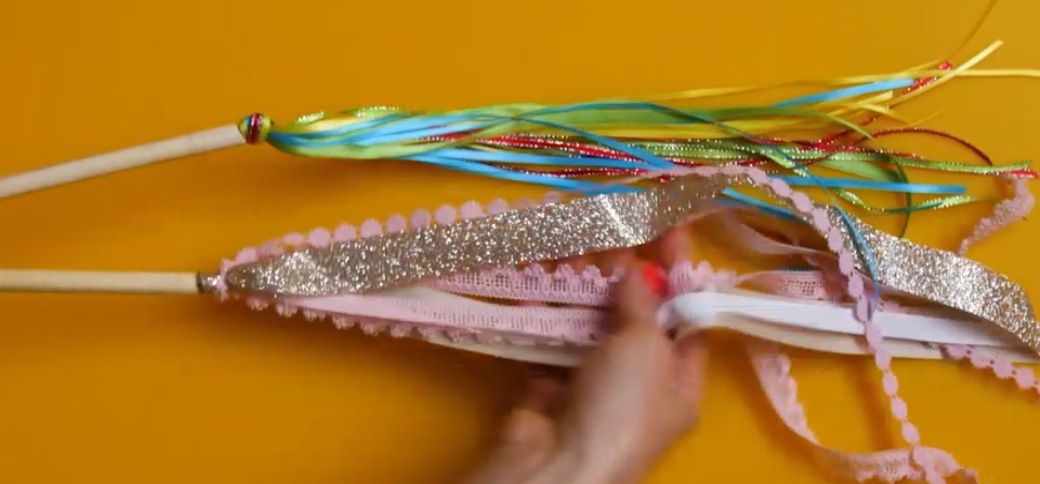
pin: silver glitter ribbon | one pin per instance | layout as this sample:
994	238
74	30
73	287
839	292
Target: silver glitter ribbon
593	224
951	280
576	227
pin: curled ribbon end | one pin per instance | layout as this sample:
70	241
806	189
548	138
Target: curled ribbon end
254	128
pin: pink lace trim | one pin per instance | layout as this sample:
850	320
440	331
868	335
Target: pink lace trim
533	283
773	371
1006	212
563	325
795	284
587	288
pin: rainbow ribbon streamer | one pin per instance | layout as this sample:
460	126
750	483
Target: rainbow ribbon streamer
584	147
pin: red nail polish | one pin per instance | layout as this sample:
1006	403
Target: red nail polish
653	274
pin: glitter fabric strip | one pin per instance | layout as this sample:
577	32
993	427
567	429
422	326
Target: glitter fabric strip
577	227
954	281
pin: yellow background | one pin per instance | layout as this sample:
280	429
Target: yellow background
182	389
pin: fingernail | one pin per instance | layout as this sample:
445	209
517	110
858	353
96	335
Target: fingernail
653	274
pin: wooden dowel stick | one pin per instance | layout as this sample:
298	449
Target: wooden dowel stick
34	280
111	162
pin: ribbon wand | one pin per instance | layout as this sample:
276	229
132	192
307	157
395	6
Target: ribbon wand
605	137
339	275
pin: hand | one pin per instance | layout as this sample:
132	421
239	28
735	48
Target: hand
630	400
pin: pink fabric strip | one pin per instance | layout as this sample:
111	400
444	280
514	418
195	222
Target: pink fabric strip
568	325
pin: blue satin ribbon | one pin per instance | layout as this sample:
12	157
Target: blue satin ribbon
420	133
886	85
741	199
855	183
